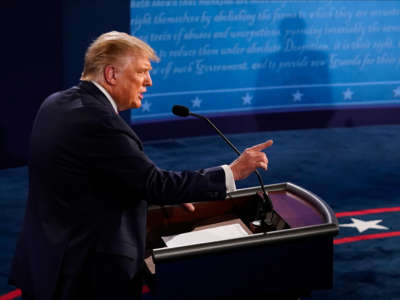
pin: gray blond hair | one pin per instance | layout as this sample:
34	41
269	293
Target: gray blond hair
109	48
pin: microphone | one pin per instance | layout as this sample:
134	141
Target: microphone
181	111
265	209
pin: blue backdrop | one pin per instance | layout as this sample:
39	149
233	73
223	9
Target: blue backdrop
222	57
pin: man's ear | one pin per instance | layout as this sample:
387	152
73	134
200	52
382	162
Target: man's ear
109	74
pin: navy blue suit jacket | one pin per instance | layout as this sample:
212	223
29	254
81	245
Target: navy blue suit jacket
89	186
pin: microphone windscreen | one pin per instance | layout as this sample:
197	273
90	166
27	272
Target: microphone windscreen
181	111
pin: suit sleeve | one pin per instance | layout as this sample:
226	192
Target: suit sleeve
118	159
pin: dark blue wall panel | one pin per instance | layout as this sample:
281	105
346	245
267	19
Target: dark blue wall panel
83	21
31	54
44	43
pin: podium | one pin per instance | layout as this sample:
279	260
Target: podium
283	264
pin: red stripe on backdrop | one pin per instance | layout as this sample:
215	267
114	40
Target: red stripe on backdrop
367	212
11	295
357	238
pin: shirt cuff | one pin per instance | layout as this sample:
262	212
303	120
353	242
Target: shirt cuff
229	181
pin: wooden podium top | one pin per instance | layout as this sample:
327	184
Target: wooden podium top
299	208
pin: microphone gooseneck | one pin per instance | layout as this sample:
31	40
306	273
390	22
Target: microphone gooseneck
265	213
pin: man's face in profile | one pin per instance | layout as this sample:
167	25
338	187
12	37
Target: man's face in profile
133	78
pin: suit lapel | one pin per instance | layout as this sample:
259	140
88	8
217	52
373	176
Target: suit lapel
91	89
130	131
95	92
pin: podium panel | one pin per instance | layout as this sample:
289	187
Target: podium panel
289	262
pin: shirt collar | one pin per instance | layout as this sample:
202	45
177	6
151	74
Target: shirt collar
108	96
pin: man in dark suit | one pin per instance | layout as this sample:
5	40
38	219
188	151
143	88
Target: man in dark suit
90	182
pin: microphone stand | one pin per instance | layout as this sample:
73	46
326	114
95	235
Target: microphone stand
265	211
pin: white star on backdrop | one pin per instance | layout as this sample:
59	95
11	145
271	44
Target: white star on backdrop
146	106
196	102
364	225
297	96
396	92
247	99
348	94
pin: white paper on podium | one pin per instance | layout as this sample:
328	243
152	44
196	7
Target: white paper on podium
205	236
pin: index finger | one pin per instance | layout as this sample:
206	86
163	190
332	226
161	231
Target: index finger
262	146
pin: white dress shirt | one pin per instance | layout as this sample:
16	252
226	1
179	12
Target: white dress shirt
108	96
